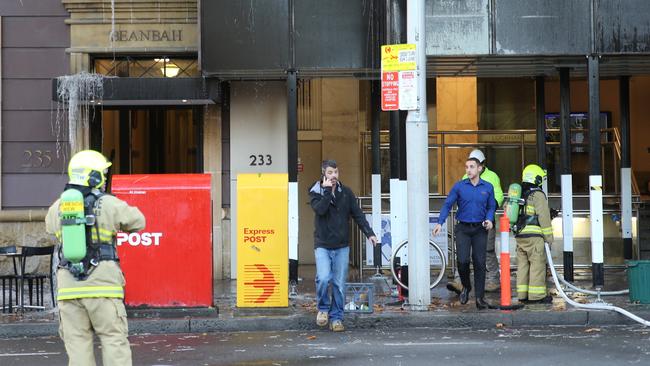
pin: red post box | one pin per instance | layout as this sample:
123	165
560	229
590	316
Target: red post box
169	263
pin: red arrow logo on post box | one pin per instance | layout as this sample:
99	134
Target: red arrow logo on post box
267	283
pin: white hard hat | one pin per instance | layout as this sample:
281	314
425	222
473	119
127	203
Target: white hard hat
478	155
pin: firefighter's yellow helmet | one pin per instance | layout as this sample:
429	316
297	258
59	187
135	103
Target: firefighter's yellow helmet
88	168
534	174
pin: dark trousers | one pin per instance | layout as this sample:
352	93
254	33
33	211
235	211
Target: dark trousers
471	239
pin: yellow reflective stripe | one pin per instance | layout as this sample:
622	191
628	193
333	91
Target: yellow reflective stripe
104	235
547	230
531	229
530	210
537	289
522	288
58	234
90	288
102	238
105	231
90	291
86	296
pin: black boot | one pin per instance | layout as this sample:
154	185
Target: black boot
464	295
463	272
481	304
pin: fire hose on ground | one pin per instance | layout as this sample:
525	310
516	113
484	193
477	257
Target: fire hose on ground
595	306
592	292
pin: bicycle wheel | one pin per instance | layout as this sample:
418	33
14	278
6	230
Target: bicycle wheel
437	267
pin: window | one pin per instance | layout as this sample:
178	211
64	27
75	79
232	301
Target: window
157	67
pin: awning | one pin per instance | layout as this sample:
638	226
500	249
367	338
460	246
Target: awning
120	91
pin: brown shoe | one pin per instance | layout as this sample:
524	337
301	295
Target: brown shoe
454	287
337	326
322	318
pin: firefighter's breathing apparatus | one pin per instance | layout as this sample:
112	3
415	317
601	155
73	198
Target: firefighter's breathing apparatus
513	203
73	228
78	202
515	207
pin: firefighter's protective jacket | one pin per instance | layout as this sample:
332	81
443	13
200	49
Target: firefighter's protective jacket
537	218
106	280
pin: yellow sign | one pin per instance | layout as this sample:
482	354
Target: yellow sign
398	57
72	206
262	240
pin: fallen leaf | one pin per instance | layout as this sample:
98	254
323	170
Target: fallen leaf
500	325
592	330
311	338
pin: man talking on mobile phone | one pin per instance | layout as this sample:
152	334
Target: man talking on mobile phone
333	205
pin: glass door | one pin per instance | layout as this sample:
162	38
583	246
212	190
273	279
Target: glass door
151	140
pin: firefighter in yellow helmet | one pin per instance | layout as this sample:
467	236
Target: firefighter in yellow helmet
90	291
532	230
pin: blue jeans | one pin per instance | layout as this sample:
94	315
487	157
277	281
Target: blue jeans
331	267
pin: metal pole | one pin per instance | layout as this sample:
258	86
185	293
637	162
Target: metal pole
417	128
292	158
626	167
540	131
395	25
292	141
375	109
595	178
398	197
567	180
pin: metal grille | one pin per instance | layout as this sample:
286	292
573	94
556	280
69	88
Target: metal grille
148	68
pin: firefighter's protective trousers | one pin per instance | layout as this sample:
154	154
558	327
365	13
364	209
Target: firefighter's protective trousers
531	261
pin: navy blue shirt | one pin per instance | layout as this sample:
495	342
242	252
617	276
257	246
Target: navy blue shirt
475	203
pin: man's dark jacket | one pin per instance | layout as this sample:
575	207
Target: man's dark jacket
332	219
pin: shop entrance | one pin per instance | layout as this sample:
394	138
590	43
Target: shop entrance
150	140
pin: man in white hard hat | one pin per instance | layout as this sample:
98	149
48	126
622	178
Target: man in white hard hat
492	278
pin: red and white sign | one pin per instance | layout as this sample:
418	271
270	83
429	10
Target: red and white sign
390	91
399	84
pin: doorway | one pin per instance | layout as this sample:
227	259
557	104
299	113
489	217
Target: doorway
150	140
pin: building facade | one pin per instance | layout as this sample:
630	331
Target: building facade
230	87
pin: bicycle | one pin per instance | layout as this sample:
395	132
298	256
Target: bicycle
438	266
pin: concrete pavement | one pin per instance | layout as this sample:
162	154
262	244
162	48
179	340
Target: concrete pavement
543	346
445	312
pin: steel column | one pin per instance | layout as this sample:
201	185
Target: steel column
540	130
626	167
595	178
567	180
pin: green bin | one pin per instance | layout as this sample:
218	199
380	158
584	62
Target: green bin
638	277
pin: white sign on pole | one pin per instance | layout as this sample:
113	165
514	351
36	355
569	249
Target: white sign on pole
408	90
